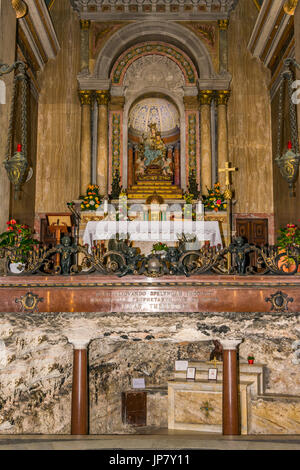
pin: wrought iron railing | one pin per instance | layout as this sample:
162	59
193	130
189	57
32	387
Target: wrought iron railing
239	258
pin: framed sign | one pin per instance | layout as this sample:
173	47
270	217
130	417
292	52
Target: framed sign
138	383
181	365
59	219
191	373
212	374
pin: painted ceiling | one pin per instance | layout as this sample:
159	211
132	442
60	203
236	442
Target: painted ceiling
153	110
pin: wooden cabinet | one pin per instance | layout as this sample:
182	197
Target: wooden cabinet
254	231
134	408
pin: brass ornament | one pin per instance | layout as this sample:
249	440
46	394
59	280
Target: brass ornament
223	25
222	97
20	8
290	7
289	165
279	301
206	97
29	302
102	97
86	97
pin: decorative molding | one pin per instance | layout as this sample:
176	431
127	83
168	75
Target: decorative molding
192	142
206	97
223	25
29	302
134	9
102	97
279	301
222	97
151	48
85	24
86	97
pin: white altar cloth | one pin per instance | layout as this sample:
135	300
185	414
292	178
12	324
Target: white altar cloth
155	231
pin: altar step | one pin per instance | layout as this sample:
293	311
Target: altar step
144	189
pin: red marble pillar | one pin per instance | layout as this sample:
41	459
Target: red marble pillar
231	418
79	414
177	165
130	166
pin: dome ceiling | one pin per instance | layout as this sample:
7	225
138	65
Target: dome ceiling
153	110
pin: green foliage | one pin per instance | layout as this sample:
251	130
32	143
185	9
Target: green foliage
17	238
215	200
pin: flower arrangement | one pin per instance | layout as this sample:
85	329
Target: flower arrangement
215	200
250	359
159	247
92	200
289	237
188	197
18	240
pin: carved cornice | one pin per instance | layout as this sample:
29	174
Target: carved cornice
86	97
102	97
222	97
20	8
116	103
205	97
223	25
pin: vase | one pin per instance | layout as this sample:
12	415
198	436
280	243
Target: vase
16	268
250	361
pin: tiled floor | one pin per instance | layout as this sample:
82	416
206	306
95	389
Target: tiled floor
162	439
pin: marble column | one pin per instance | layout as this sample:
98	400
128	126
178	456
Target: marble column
223	48
221	102
7	55
177	164
205	98
84	45
130	165
86	97
102	97
79	410
231	419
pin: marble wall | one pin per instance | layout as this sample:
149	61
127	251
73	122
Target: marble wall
36	365
58	146
249	118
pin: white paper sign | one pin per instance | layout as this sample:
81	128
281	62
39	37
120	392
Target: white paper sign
138	383
181	365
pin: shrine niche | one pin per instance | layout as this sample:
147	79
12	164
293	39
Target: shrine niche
153	148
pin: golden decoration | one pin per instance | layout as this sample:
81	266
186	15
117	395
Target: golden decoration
85	97
102	97
222	97
223	25
205	97
290	7
20	8
85	24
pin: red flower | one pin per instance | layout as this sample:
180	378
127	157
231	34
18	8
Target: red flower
12	222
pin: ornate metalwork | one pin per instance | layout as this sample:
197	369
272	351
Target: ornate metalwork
29	302
122	259
279	301
17	165
288	163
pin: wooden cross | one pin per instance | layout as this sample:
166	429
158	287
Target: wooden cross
227	170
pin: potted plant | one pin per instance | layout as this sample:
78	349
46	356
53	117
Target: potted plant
215	200
289	243
160	249
17	241
250	359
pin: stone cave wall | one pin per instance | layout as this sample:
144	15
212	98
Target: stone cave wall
36	366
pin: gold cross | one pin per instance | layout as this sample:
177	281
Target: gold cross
214	361
227	170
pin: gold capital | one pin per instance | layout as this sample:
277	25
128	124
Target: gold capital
102	97
85	24
222	97
20	8
205	97
290	6
86	97
223	25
